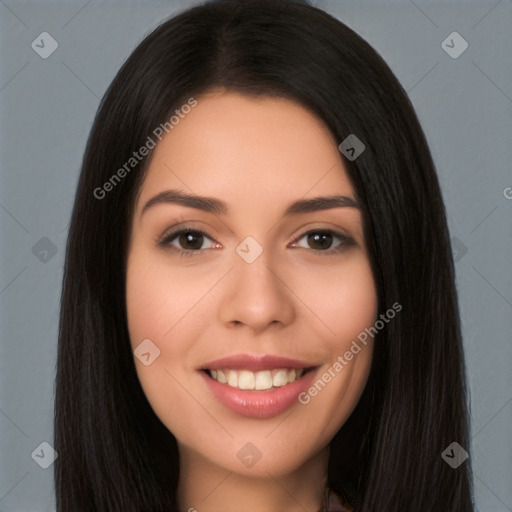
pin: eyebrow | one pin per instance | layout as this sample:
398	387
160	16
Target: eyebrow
212	205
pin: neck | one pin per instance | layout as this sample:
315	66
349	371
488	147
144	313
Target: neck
207	487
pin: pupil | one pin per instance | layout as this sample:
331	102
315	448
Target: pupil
188	239
323	239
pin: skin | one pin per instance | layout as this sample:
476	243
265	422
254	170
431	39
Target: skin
258	155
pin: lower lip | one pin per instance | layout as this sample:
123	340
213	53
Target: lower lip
259	404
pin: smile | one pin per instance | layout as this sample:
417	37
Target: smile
257	386
261	380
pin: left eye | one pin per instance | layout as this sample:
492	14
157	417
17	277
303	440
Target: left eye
323	240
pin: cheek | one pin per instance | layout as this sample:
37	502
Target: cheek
345	302
355	300
160	307
343	298
159	298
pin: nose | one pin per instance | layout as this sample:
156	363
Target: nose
257	296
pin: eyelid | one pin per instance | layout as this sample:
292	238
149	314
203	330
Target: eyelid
346	240
165	240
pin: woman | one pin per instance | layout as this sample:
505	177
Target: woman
258	308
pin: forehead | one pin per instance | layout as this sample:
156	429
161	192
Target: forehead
237	147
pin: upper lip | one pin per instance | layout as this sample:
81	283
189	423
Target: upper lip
255	363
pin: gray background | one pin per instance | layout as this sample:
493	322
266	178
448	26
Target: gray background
47	105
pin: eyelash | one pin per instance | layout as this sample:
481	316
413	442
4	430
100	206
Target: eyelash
165	242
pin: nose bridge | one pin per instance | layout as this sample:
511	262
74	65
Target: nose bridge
257	295
259	273
254	259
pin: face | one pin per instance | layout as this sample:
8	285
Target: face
257	286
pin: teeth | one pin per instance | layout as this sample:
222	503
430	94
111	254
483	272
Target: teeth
280	378
265	379
246	380
233	379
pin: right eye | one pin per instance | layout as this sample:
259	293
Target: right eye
190	241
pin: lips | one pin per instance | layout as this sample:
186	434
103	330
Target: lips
255	363
257	397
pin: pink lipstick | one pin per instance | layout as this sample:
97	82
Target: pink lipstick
257	386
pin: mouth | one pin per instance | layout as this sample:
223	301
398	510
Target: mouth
262	380
257	386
